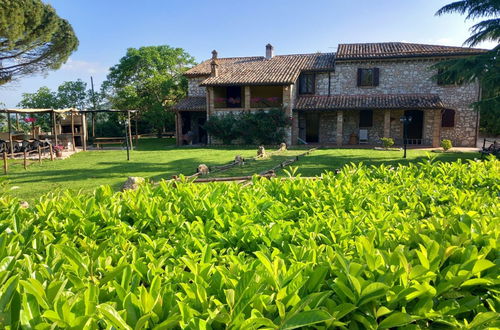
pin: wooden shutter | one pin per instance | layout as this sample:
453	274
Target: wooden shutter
360	71
376	74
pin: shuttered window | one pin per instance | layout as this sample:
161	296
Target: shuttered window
306	83
366	118
448	118
368	77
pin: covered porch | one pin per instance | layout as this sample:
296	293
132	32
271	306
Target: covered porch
190	116
364	120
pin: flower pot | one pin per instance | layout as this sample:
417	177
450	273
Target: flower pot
59	153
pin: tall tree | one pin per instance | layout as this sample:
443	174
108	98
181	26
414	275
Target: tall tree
73	94
484	67
43	98
149	79
33	39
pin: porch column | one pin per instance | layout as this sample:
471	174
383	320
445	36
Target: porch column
246	105
287	107
340	127
387	123
436	130
210	107
178	128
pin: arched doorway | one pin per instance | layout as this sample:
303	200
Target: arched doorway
416	126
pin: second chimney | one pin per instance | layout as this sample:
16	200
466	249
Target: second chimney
214	67
269	51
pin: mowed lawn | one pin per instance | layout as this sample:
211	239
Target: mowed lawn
158	159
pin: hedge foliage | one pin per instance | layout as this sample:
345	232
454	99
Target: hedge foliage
368	248
261	127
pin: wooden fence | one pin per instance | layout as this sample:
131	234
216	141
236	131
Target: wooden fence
6	156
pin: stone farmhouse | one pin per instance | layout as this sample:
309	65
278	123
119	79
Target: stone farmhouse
356	95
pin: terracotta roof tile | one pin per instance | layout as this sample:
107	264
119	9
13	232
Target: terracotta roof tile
340	102
191	103
280	69
399	50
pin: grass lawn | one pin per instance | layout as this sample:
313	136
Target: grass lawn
158	158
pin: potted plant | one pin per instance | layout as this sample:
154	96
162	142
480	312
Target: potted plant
58	149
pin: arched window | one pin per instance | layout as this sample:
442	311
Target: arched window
448	118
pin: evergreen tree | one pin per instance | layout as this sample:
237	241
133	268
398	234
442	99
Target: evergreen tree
33	39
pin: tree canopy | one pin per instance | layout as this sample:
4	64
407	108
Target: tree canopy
149	79
483	67
33	39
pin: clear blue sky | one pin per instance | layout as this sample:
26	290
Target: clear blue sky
106	28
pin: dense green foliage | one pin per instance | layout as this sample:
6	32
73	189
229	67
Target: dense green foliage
387	142
446	144
149	79
484	67
33	38
367	248
261	127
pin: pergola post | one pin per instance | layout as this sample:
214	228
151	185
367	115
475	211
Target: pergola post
9	127
54	126
136	130
129	128
73	129
84	131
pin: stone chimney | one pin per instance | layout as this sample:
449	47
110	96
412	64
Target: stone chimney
214	67
269	51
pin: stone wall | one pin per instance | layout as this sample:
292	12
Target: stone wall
321	87
413	77
194	88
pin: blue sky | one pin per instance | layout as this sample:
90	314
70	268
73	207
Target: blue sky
106	28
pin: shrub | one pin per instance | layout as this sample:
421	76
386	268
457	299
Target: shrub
387	142
387	249
261	127
222	127
446	145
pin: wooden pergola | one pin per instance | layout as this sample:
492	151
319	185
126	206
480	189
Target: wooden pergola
72	112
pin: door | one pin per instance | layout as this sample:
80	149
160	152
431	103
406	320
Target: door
415	127
202	133
312	127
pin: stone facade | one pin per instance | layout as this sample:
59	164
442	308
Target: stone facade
194	88
413	77
396	77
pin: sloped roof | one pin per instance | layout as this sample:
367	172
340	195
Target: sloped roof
382	50
381	101
191	103
257	70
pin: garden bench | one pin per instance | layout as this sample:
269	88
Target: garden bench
108	140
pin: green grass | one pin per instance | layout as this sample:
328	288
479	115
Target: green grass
159	159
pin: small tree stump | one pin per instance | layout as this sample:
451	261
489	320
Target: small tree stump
238	160
261	152
282	147
203	169
132	183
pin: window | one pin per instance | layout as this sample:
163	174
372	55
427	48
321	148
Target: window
366	118
233	97
306	83
448	118
368	77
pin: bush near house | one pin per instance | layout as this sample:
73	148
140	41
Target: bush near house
387	142
260	127
446	145
413	246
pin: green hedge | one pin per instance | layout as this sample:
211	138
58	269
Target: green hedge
368	248
261	127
